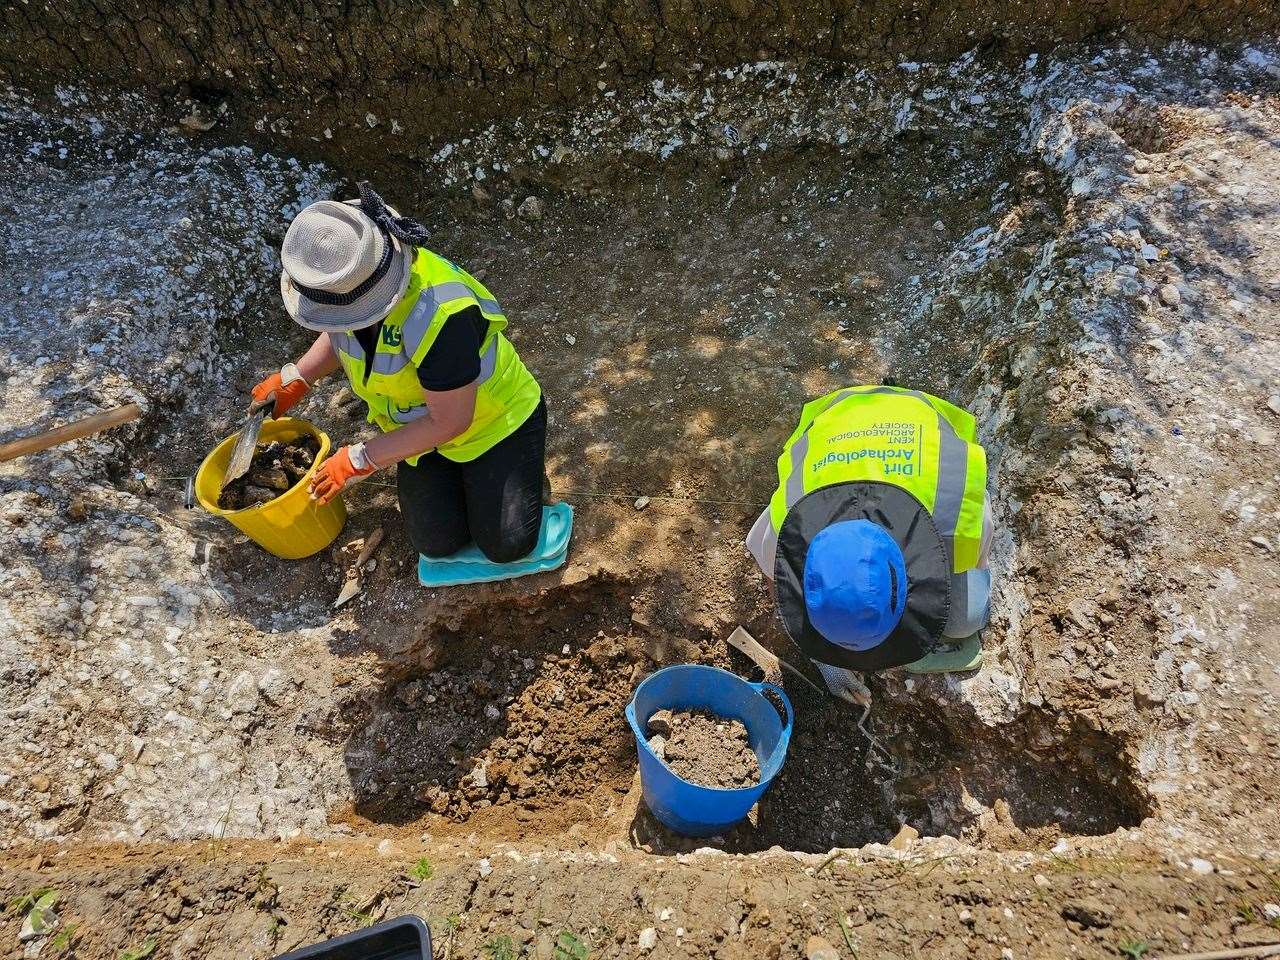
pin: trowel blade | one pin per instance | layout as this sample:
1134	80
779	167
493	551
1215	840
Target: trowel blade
349	590
242	455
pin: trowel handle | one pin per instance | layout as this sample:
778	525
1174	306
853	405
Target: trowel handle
268	403
370	544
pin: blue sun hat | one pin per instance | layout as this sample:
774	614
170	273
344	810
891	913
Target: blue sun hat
855	584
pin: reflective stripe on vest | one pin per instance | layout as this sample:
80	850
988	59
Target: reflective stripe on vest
954	476
430	300
506	392
389	363
488	362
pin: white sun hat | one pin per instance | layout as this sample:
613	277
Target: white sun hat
342	271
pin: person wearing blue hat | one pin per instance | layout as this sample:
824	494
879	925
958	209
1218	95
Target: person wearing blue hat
877	536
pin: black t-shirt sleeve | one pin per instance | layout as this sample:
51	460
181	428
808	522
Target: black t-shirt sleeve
454	359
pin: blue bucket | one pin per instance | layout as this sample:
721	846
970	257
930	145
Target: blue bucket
685	807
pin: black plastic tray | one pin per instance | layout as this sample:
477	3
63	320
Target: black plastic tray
404	938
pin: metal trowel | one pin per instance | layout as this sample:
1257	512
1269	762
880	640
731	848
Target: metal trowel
242	454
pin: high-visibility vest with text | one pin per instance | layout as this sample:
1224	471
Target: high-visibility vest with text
908	438
507	393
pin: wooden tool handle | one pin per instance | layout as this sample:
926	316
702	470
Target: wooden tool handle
370	544
71	431
766	661
746	643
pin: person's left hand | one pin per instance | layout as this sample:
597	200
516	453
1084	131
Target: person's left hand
339	472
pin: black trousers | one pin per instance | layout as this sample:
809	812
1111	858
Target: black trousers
495	500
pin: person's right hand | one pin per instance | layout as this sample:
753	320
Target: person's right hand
287	385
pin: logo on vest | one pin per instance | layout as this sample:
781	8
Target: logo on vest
392	336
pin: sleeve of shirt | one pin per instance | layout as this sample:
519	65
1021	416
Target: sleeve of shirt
454	359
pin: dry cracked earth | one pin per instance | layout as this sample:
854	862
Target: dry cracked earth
201	758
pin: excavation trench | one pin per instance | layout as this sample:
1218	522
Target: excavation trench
698	289
680	289
518	732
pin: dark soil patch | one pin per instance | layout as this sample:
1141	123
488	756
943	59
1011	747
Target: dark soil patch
276	469
527	721
705	749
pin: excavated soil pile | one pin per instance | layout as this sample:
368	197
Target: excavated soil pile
276	468
704	748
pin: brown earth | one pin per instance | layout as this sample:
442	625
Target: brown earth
1109	771
705	749
225	900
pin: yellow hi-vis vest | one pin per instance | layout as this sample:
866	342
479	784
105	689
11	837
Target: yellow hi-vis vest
910	439
437	289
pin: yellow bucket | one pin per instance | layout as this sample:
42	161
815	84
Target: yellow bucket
292	525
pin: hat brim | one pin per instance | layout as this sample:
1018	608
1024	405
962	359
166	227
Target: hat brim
923	550
373	306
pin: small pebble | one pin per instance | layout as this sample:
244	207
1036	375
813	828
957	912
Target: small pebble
530	209
819	949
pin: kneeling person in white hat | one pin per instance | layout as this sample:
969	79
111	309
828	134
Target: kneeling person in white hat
877	536
421	343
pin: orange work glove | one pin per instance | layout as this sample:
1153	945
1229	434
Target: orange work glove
287	385
347	466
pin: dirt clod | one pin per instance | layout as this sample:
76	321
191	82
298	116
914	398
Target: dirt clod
276	468
705	749
659	724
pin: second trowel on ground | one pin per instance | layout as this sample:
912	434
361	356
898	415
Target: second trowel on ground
352	585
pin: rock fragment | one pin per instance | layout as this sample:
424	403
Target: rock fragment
1089	912
905	837
659	724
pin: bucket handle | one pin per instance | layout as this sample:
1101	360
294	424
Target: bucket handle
784	738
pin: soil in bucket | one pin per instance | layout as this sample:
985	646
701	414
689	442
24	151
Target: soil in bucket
276	467
703	748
